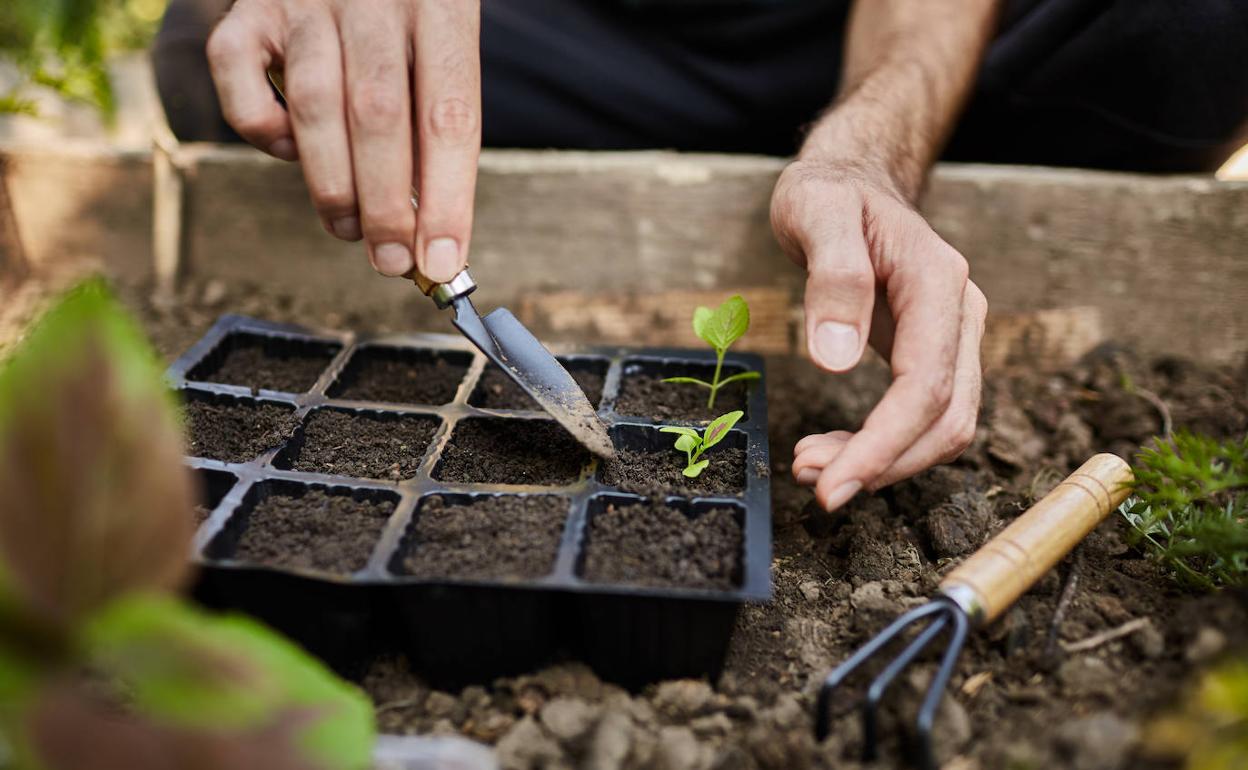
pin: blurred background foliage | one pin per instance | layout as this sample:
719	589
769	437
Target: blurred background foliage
63	45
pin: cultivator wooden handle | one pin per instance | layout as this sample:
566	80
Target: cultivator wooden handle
987	583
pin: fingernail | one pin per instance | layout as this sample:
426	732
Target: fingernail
807	476
348	228
441	259
841	495
284	148
836	345
392	259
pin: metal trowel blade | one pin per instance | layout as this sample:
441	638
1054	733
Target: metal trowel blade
515	350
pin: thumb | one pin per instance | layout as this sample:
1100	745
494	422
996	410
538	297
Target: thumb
840	296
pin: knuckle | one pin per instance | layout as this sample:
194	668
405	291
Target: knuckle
254	124
937	393
309	97
387	221
376	106
451	119
330	199
225	43
959	438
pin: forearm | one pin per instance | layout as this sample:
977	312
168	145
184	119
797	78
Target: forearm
909	67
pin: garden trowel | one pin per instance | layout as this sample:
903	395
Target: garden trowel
515	350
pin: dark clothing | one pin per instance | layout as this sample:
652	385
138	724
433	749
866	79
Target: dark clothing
1151	85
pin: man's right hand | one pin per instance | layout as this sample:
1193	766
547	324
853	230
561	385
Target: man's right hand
356	76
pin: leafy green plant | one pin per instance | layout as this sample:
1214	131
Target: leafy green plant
693	444
719	328
1189	509
100	663
62	45
1210	730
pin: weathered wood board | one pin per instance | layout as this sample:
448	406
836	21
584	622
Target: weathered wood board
616	247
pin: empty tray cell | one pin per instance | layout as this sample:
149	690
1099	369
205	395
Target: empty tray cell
647	461
635	541
401	375
263	361
288	524
373	445
213	487
483	537
233	429
511	451
644	394
495	390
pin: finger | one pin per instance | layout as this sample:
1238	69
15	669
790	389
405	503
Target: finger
840	294
955	430
821	439
378	105
925	294
448	110
316	100
809	464
239	54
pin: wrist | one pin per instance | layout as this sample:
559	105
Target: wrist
870	145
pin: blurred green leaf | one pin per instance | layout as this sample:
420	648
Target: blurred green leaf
188	668
96	500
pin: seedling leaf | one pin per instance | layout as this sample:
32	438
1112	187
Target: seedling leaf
701	317
689	381
726	324
687	443
719	427
693	471
739	377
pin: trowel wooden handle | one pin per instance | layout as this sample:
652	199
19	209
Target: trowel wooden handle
1011	563
423	283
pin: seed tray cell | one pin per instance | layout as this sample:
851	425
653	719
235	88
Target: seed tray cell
487	465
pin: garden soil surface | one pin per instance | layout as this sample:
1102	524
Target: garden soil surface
646	395
235	432
364	446
1017	699
315	530
380	374
652	544
495	451
649	472
488	538
495	390
247	363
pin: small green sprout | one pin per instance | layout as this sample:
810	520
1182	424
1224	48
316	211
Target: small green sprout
719	328
1189	509
693	444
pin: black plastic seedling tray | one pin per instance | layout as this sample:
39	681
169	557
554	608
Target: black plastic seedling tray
462	630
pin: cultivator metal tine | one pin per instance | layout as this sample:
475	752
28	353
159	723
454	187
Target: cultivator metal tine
875	692
936	690
842	672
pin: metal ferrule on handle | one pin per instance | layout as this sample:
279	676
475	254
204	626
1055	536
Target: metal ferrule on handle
444	294
986	584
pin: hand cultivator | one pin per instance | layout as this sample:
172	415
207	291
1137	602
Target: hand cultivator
979	590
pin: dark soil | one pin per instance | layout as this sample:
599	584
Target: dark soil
651	544
362	445
646	472
838	579
1015	700
257	362
400	376
646	395
315	530
235	432
495	390
485	539
497	451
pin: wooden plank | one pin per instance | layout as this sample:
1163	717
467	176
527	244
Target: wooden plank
583	242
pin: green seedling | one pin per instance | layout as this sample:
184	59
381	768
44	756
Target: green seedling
694	444
1189	509
719	328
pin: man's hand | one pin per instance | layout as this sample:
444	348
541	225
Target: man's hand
877	273
384	97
